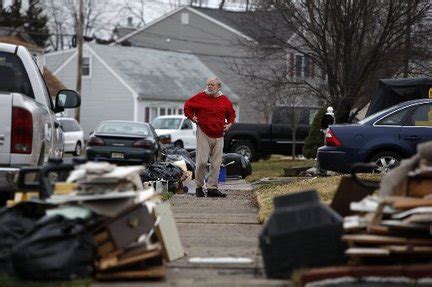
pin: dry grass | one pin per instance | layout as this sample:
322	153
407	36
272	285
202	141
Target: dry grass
325	186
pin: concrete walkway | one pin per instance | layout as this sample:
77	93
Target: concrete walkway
216	227
219	227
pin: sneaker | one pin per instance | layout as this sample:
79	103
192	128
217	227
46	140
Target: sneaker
213	192
199	192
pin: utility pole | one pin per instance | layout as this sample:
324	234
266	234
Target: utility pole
80	41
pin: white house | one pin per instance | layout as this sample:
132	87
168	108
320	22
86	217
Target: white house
131	83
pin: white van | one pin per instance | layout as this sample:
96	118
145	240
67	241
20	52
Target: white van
181	129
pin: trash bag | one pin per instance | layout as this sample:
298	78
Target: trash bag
14	224
237	165
163	171
170	150
55	249
190	164
173	153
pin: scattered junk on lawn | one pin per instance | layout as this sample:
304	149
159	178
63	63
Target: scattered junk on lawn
386	230
103	221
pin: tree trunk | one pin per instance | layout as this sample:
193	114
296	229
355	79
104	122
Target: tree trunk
221	4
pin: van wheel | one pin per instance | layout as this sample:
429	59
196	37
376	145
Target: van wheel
244	148
78	149
385	161
178	143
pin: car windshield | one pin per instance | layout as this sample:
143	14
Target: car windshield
378	114
70	126
166	123
123	128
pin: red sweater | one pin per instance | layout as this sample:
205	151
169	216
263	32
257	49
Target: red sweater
211	113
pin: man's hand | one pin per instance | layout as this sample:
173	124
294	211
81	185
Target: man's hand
195	119
227	127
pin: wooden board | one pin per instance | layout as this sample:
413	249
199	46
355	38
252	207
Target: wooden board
116	262
408	203
148	273
167	232
382	240
367	252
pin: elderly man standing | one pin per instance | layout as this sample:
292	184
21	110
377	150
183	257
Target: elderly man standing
214	115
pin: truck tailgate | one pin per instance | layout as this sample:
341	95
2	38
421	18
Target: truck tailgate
5	127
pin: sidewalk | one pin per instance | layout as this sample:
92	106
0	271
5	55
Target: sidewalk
216	227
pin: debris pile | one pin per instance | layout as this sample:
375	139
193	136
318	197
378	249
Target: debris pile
103	221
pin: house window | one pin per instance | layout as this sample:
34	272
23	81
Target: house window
169	111
307	66
162	111
154	113
86	66
180	111
298	65
147	114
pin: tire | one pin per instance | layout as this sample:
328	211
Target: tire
179	143
244	148
385	161
78	149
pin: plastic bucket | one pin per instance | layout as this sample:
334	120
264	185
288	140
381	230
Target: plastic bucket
222	174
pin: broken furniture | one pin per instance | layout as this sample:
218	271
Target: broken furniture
301	232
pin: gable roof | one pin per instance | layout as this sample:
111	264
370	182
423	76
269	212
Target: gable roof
155	74
190	9
259	26
17	41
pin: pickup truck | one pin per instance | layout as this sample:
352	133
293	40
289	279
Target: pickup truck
29	131
256	141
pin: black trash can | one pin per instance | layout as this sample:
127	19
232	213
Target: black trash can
302	232
237	165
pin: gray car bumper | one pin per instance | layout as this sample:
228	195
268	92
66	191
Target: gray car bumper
7	179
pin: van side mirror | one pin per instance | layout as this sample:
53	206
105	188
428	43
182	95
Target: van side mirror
67	99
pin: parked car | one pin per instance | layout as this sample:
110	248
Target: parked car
181	130
255	141
124	142
73	135
29	130
383	138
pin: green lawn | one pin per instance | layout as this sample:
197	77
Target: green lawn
274	167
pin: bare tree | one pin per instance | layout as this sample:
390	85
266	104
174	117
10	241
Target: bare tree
353	42
136	10
63	22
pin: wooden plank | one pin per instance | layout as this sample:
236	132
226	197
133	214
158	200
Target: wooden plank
116	262
105	249
409	203
367	252
148	273
411	250
101	237
380	239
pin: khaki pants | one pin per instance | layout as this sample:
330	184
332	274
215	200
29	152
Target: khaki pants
212	148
